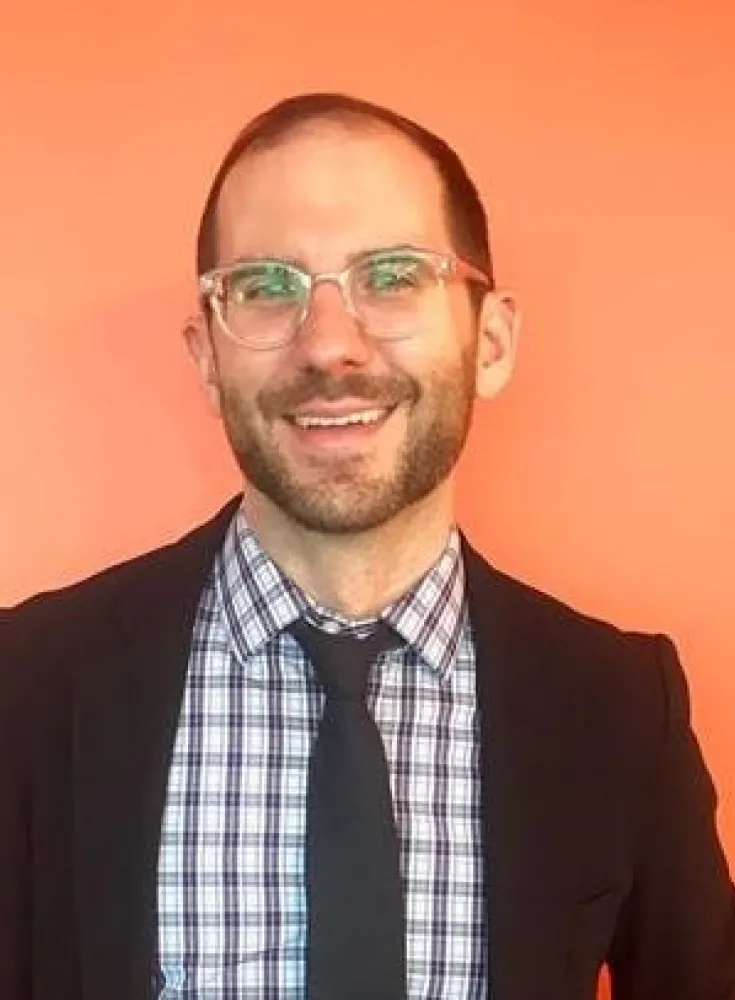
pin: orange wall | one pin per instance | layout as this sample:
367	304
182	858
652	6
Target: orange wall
603	138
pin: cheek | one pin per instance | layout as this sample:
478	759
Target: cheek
439	348
452	325
242	374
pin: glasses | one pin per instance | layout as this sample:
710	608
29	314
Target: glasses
262	303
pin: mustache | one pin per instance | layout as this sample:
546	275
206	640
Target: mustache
313	384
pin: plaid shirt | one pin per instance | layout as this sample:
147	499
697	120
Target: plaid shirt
231	883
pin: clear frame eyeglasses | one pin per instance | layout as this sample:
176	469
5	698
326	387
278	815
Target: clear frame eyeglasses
262	302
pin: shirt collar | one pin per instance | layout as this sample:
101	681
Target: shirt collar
258	600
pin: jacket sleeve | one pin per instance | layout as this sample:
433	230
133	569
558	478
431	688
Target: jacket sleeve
15	896
676	938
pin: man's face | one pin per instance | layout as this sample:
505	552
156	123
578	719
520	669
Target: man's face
321	196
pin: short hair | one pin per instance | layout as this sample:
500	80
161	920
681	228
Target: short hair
465	213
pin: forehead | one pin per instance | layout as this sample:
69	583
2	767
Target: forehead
328	191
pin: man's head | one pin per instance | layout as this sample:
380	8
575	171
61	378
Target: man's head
318	182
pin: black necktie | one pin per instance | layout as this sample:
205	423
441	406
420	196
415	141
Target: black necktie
356	911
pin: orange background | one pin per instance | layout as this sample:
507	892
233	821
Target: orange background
603	138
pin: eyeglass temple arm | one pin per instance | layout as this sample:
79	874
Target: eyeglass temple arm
463	269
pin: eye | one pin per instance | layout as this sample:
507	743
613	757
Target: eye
256	284
393	274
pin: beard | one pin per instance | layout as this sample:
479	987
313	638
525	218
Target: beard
339	496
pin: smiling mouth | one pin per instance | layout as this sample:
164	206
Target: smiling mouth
359	418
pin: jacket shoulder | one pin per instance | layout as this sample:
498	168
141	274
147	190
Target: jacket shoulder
48	630
187	552
618	672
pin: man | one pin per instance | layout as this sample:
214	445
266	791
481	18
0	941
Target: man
188	805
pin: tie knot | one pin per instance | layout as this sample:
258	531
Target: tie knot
342	661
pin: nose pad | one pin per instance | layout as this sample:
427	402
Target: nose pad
330	301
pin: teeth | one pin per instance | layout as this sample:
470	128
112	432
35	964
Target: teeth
363	417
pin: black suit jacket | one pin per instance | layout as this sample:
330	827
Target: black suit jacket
599	812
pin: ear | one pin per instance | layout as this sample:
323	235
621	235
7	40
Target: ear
198	338
497	343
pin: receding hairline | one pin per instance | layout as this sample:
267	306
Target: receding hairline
280	133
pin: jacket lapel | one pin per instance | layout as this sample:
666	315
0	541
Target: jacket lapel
126	707
529	771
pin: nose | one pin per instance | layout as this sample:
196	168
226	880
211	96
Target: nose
331	336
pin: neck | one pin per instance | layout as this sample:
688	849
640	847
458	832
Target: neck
360	574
